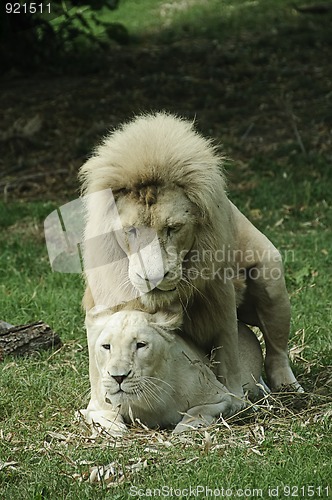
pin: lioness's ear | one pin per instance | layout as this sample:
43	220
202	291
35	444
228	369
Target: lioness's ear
97	316
170	318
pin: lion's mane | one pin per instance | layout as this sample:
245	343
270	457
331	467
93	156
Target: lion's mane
162	149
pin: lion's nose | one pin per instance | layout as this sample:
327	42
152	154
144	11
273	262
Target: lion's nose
154	279
120	378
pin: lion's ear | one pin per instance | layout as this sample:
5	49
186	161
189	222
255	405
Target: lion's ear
170	318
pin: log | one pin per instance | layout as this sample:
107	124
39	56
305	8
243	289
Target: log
27	339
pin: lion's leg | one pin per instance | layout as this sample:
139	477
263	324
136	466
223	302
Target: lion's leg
88	303
94	376
272	308
226	353
218	310
267	304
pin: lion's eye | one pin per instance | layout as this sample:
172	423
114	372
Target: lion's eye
132	231
106	346
173	229
139	345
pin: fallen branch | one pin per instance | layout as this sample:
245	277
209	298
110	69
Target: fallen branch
26	339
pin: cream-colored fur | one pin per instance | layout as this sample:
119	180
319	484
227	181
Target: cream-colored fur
168	234
141	368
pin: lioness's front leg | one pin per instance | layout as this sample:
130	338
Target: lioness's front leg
203	415
266	302
104	420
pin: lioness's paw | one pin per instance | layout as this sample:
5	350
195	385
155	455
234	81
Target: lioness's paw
205	415
103	422
191	423
233	406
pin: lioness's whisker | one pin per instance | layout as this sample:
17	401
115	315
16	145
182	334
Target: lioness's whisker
146	393
151	387
158	380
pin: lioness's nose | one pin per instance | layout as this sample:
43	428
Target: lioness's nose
120	378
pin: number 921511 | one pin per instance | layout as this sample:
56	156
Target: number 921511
27	8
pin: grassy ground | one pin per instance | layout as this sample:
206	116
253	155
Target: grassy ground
257	76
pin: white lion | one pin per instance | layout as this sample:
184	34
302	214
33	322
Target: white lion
160	228
142	368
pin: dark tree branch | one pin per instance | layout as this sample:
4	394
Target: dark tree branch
26	339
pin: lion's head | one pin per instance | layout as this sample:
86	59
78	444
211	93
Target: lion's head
158	233
159	202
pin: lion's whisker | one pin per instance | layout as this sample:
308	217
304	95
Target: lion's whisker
184	290
199	292
125	285
184	306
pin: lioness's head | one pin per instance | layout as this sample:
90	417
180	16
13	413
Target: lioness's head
130	349
158	233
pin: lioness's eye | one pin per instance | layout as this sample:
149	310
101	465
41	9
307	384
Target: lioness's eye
106	346
139	345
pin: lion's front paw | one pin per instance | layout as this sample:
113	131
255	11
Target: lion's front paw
280	375
102	421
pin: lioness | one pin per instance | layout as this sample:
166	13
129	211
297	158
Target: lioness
142	368
160	228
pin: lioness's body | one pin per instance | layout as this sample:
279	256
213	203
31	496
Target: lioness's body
170	235
161	379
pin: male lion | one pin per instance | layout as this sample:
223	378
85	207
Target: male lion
142	368
160	229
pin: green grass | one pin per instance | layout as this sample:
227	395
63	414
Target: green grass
52	455
284	191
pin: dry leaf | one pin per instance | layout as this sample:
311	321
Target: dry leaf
8	465
207	442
